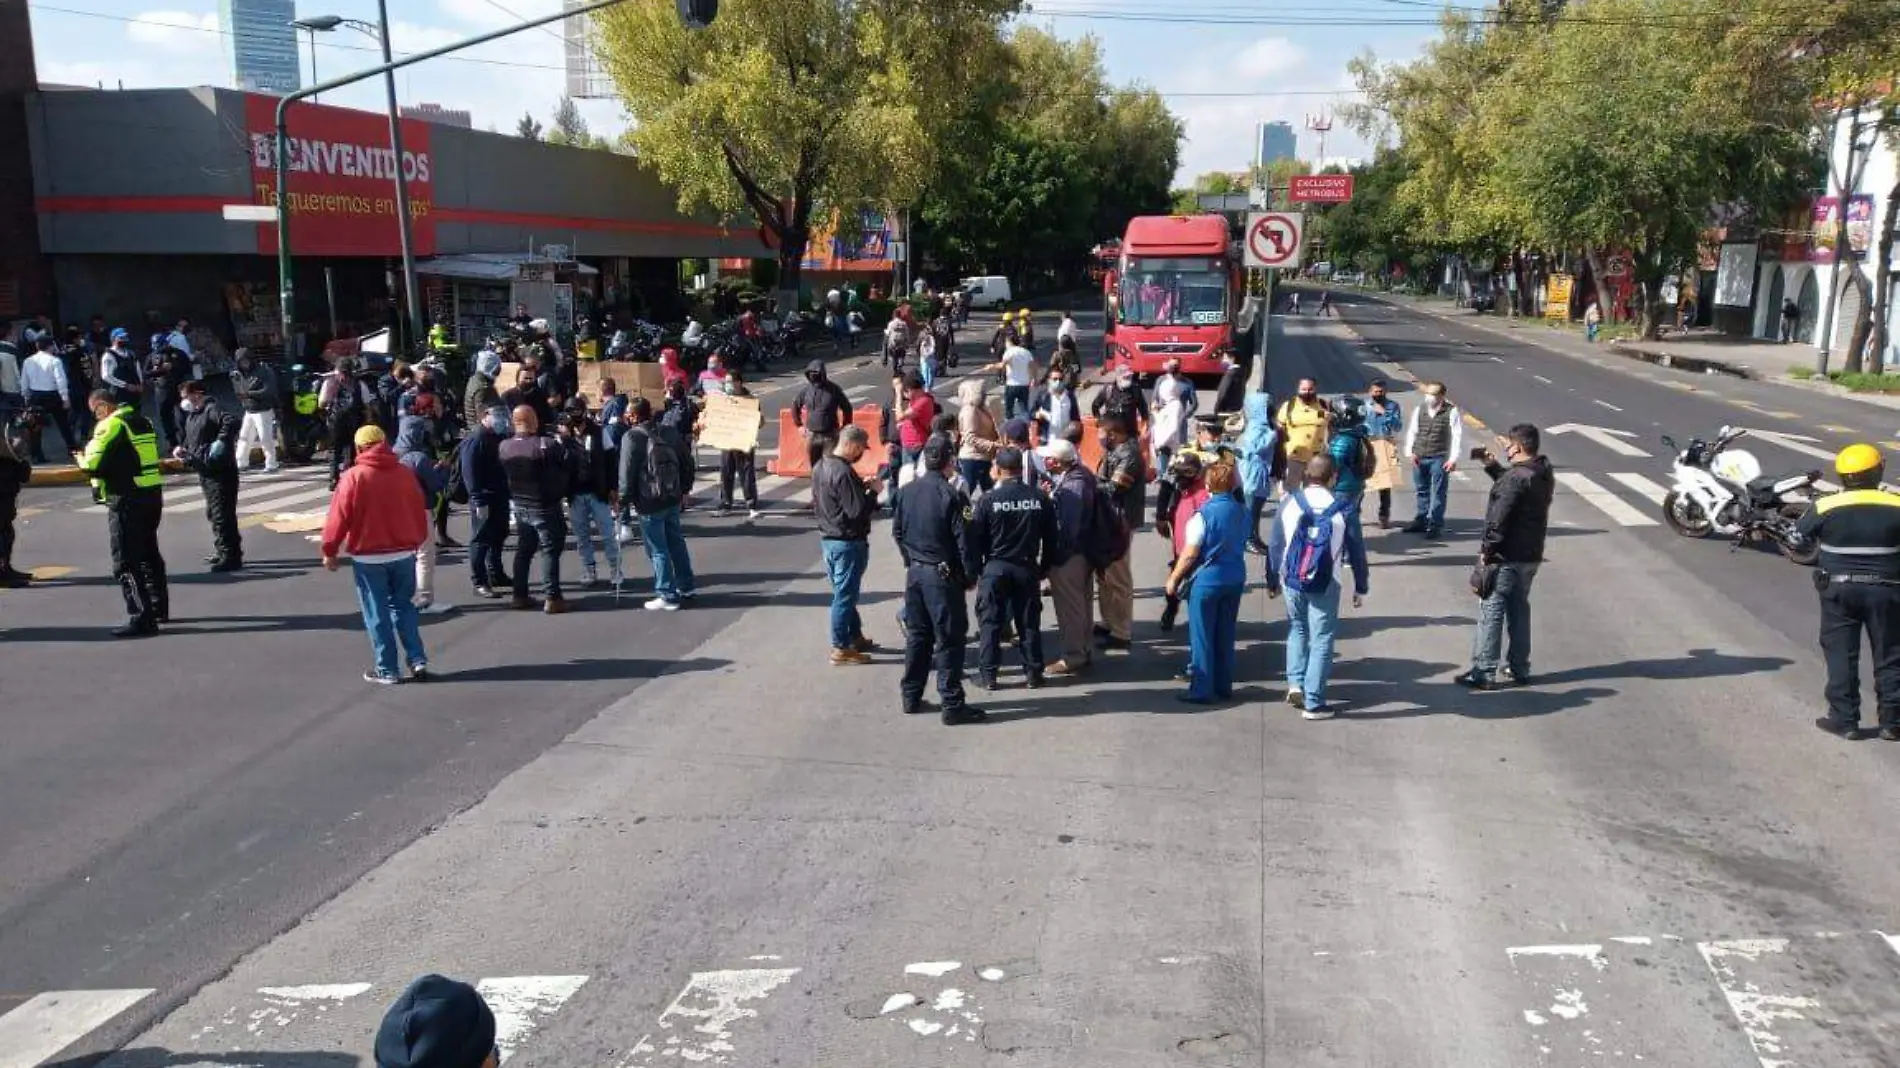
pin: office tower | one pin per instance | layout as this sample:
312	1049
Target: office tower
263	44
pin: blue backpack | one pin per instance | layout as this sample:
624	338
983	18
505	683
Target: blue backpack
1308	564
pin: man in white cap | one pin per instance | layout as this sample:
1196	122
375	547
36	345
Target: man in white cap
1071	578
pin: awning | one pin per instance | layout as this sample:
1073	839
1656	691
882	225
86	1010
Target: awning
491	266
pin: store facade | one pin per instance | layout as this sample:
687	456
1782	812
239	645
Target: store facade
130	189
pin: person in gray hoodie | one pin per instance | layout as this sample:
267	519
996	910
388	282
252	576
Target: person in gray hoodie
480	394
415	450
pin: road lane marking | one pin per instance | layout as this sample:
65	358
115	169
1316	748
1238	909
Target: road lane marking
43	1025
1607	404
50	572
521	1002
1641	485
1830	427
697	1028
281	504
1603	500
1759	1013
1544	380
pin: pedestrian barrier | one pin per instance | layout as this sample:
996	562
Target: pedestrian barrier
791	461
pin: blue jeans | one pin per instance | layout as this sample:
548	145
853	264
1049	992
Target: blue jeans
1506	611
666	549
929	369
590	513
1432	482
845	562
1311	620
1015	401
1213	618
387	595
976	475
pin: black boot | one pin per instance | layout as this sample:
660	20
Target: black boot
914	706
962	714
135	628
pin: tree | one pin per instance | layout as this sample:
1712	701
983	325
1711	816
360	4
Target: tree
795	110
529	127
570	127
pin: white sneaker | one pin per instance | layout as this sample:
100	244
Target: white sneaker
752	513
661	604
1324	711
436	608
271	469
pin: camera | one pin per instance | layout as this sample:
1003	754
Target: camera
1479	452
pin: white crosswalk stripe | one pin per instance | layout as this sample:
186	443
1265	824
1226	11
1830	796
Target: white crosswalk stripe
47	1023
284	503
1810	998
1648	489
1619	511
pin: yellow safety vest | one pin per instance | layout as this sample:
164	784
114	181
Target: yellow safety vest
438	337
150	475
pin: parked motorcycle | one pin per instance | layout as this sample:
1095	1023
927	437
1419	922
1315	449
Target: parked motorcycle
1721	490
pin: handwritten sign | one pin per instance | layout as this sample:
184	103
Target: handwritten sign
732	423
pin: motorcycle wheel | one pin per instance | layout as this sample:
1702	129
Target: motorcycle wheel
1685	516
1805	554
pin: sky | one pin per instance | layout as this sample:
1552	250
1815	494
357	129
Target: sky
1210	58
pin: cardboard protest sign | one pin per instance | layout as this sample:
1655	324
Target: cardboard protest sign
732	423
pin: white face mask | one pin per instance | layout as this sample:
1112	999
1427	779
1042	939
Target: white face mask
1434	402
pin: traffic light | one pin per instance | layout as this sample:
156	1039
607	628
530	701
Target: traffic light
698	14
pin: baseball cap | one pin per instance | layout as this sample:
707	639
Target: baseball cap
1060	450
119	334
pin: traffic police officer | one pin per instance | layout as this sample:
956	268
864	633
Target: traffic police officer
1012	536
1859	582
928	521
122	460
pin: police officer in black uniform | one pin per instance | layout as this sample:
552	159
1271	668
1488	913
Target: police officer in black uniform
1859	582
928	521
1012	536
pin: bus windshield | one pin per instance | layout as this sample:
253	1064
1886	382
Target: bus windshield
1173	292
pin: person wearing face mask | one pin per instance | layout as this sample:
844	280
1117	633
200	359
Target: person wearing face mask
208	445
480	459
1434	439
1384	421
1304	424
1174	407
1123	398
820	411
119	370
1054	407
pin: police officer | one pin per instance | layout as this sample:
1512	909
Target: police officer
1859	582
1011	538
208	445
122	459
928	522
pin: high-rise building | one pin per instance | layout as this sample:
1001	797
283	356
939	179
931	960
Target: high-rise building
585	79
440	115
1273	141
263	44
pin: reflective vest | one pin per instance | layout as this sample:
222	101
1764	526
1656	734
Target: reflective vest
114	433
438	336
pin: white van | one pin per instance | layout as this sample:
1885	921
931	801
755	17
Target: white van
987	291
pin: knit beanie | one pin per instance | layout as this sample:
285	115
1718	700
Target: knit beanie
369	435
436	1023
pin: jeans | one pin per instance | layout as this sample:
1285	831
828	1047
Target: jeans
590	513
666	550
845	562
1213	650
976	475
1311	620
544	530
1385	505
1432	484
1507	610
742	469
1015	401
387	595
929	369
489	529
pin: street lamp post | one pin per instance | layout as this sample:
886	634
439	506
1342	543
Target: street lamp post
694	13
380	32
310	34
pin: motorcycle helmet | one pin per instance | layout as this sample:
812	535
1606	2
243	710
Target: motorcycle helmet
1348	411
1858	459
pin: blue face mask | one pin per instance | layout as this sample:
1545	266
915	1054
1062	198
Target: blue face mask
501	425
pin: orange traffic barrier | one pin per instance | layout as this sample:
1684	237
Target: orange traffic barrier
792	462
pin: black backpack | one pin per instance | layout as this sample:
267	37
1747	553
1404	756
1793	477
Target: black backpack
662	477
1105	534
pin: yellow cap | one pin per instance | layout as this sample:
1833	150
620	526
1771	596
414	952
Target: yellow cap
369	435
1858	459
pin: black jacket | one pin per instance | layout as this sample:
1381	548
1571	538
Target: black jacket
480	456
256	388
822	406
599	465
1013	524
927	522
539	470
204	427
1519	513
843	502
634	446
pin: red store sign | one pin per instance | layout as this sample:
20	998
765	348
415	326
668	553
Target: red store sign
342	184
1319	188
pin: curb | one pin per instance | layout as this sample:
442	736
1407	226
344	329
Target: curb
1697	364
69	475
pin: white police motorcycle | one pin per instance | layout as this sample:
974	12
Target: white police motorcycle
1721	490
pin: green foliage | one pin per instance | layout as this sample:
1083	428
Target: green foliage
1050	159
793	110
529	127
1865	382
570	128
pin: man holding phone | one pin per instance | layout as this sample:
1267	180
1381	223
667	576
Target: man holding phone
1515	524
1434	437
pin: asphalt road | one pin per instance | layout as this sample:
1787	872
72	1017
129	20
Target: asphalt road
172	803
748	857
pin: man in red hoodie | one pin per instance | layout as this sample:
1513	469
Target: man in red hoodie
378	516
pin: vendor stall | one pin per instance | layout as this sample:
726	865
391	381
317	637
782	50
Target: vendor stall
483	290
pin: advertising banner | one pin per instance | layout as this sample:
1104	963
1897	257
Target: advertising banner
867	246
1826	226
342	183
1557	296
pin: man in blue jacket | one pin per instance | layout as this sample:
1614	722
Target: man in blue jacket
1258	446
1311	544
480	459
1385	421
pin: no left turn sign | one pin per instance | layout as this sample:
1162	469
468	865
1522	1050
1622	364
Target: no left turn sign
1275	238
